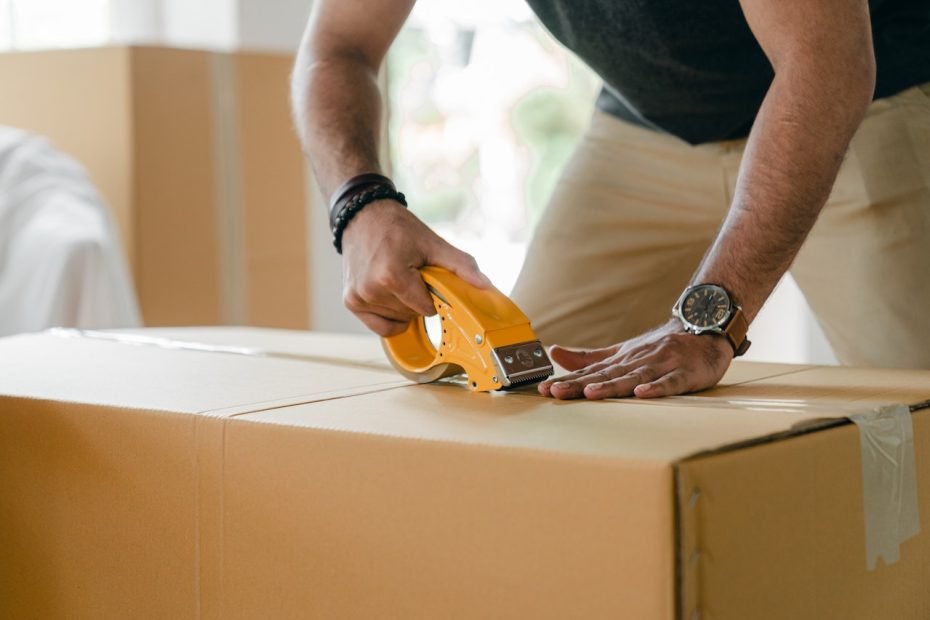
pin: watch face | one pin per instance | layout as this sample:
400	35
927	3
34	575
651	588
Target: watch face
706	306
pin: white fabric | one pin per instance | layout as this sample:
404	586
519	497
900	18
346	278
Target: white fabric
61	262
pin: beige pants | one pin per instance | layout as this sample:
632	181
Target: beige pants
635	210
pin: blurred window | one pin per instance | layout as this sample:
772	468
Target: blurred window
33	24
485	108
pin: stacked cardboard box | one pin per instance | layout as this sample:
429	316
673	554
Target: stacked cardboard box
235	473
195	153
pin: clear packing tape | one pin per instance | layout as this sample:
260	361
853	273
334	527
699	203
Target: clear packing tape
886	437
889	481
161	342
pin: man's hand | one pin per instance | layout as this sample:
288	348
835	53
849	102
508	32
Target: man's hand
662	362
384	247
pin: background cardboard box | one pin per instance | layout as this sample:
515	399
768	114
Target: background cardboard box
195	154
236	473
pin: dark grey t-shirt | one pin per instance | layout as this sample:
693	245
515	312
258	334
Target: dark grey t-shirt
693	68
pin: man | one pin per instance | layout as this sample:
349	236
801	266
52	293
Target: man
732	111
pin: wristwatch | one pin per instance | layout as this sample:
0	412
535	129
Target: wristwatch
709	309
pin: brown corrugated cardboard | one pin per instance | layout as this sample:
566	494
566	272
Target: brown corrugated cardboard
195	154
287	474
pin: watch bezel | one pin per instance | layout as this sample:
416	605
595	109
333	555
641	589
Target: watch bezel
692	328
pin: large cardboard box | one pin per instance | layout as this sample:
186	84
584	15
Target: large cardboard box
195	153
235	473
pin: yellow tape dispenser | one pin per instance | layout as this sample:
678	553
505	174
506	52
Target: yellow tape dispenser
484	334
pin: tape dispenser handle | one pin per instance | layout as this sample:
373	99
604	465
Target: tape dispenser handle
412	352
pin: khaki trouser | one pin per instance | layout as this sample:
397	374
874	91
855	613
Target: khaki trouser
635	211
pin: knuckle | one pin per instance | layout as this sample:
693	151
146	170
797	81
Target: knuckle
580	376
677	381
387	280
383	330
405	316
591	369
369	290
599	376
351	300
381	326
642	374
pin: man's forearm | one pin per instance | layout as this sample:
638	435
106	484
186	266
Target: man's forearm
790	163
336	99
337	106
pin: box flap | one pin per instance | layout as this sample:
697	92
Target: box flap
100	371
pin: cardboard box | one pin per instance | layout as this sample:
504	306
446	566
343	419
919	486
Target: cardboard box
195	154
270	474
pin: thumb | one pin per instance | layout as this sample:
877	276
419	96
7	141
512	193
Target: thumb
575	359
460	263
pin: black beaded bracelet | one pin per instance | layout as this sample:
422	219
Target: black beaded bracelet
359	202
350	188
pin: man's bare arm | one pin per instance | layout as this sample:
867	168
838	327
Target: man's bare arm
337	107
337	102
824	79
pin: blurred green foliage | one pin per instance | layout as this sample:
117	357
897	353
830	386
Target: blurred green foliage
547	122
550	122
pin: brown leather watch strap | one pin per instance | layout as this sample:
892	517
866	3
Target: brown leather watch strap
736	331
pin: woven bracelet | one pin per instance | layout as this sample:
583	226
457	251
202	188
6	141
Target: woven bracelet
348	190
359	202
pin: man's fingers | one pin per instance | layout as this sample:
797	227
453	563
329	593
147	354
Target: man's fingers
380	325
587	366
675	382
395	312
381	297
577	387
458	262
572	384
621	386
545	388
567	390
576	359
412	292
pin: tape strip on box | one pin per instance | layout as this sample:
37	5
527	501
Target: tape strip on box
160	342
889	481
